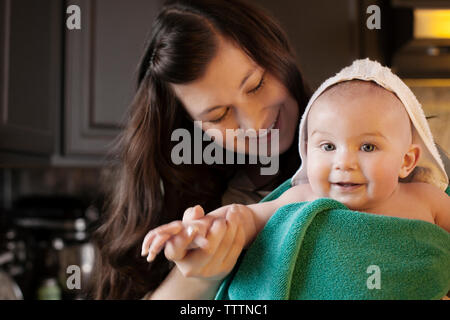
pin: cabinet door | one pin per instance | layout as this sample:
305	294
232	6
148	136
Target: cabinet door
30	68
101	61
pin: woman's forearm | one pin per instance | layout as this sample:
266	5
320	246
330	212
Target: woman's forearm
177	287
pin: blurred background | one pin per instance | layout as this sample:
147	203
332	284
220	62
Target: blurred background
64	94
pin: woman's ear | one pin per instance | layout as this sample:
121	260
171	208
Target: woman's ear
410	160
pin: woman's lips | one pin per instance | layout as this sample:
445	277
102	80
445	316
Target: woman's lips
267	132
277	121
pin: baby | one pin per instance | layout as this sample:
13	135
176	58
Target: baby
359	146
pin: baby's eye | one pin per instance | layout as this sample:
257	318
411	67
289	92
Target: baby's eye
328	147
368	147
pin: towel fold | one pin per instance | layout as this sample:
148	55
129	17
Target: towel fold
323	250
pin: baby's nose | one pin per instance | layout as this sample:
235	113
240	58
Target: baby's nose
346	160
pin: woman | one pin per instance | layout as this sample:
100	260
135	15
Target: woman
227	64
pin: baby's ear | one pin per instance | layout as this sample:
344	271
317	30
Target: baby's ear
410	160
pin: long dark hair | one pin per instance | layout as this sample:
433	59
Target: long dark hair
149	190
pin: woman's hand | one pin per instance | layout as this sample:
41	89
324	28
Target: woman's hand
190	233
226	230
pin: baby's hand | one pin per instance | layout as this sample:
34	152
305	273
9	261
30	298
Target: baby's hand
228	229
178	231
155	239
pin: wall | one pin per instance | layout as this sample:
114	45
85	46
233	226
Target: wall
324	34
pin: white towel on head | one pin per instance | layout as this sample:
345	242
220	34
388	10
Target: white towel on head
430	168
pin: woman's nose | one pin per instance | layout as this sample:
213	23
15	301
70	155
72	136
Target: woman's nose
345	160
252	118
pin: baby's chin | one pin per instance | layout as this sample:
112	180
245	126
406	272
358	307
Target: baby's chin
355	205
356	201
361	206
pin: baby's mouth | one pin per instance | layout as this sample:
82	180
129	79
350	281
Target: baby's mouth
346	186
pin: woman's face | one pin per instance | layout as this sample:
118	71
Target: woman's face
236	93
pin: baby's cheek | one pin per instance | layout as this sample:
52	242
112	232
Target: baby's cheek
318	173
384	180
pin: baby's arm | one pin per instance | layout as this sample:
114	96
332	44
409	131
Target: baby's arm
441	208
264	211
156	239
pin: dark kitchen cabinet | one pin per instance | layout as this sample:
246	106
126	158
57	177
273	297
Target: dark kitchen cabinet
100	65
30	77
64	93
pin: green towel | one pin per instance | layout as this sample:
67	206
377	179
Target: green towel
323	250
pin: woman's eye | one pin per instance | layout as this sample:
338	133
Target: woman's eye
259	86
328	147
221	117
368	147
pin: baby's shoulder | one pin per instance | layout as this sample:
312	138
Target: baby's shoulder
421	188
298	193
426	193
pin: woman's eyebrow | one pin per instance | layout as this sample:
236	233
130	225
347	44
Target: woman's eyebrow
244	80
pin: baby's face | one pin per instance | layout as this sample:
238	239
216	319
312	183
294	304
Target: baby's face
357	140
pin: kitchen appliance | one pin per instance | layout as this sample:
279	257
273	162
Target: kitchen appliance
56	232
12	261
9	289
